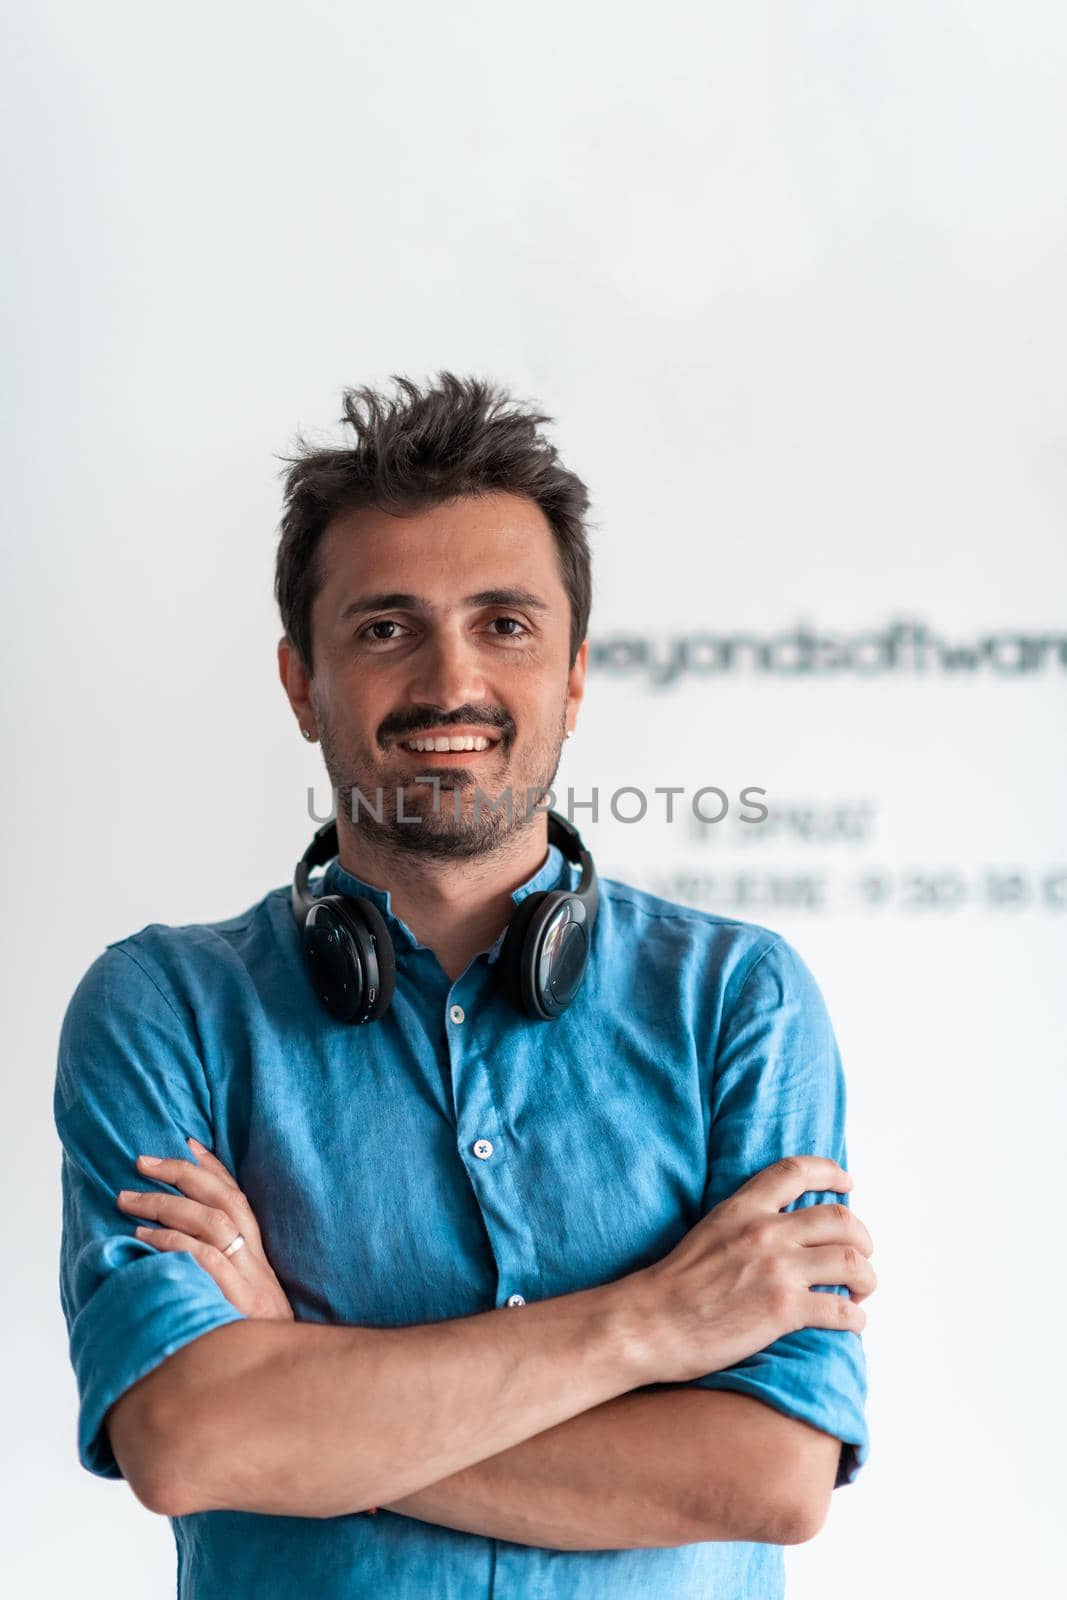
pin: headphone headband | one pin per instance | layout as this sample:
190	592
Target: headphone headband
325	846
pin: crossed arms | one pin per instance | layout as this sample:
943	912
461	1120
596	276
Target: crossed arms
528	1427
499	1424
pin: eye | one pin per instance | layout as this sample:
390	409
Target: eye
515	628
380	638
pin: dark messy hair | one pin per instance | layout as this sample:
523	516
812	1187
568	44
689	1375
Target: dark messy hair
416	448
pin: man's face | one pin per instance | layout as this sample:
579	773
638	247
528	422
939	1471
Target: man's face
450	622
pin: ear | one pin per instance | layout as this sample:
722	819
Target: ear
576	683
296	683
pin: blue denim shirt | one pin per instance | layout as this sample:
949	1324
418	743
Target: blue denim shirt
698	1050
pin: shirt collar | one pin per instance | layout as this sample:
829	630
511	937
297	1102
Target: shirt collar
336	879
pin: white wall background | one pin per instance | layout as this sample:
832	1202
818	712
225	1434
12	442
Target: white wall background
791	278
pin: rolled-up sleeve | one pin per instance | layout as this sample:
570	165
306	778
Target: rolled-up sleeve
129	1081
779	1090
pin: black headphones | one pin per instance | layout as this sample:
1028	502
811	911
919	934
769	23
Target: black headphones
349	953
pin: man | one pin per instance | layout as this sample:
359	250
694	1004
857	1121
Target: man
537	1292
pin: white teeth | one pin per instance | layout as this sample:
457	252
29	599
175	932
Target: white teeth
457	741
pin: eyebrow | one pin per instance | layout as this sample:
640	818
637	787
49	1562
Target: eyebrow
396	600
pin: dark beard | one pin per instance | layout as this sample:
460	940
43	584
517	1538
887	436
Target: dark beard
438	834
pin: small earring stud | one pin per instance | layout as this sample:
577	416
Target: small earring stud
570	733
306	732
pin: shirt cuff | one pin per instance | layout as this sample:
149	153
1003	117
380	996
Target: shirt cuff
817	1376
141	1314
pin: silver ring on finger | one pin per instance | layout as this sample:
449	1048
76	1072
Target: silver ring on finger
234	1245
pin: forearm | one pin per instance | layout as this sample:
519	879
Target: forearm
645	1469
302	1419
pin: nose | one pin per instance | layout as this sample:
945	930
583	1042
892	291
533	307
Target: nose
448	673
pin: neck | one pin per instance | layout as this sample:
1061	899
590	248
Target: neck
457	908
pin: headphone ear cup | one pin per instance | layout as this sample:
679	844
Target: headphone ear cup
548	959
383	949
511	951
349	957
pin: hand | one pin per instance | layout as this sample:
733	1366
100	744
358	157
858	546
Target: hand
205	1224
742	1277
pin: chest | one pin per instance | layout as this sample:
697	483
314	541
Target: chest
430	1164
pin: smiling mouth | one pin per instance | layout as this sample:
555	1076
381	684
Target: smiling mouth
441	744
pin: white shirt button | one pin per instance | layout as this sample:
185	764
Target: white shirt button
457	1013
515	1300
483	1148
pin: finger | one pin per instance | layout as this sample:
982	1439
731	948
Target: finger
830	1222
239	1203
210	1188
838	1265
832	1311
786	1180
212	1260
209	1160
206	1223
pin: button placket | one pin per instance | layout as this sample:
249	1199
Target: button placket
460	1048
477	1052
